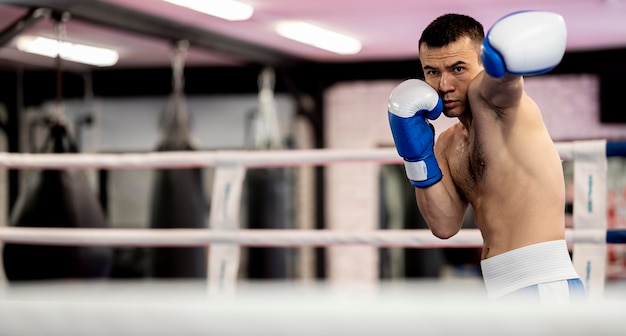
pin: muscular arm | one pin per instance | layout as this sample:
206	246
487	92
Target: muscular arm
523	43
500	94
441	205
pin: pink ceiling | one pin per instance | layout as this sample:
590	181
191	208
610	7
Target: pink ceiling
389	29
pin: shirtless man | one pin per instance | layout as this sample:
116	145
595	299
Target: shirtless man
499	157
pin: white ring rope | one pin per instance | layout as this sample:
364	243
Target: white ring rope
566	150
201	237
421	238
188	159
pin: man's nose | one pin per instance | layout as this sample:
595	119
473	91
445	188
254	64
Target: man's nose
446	83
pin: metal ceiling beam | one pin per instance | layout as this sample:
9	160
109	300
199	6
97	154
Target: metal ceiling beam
118	17
22	24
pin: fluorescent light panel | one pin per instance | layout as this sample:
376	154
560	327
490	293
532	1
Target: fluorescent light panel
319	37
69	51
225	9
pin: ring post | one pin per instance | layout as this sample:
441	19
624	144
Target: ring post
224	257
590	167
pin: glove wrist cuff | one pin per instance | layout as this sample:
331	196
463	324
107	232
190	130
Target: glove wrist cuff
423	173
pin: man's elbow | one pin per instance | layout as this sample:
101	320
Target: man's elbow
444	233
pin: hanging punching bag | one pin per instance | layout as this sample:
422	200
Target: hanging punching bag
57	199
269	199
270	191
178	202
178	199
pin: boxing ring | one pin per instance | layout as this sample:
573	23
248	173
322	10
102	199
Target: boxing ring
273	307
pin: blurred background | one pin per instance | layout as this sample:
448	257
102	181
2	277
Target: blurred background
169	77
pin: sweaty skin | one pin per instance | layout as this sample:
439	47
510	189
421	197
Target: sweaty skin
499	157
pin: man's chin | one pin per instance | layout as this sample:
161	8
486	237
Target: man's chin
451	113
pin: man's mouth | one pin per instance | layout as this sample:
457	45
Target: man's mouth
448	104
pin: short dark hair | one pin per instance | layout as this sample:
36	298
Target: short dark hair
450	28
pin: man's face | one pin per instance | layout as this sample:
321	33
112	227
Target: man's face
449	70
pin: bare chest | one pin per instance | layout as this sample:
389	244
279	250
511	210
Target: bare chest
467	163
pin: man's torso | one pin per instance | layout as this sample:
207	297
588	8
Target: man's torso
510	173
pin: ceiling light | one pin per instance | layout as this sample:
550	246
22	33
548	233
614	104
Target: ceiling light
69	51
319	37
226	9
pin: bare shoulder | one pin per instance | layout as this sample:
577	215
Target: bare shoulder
447	137
446	134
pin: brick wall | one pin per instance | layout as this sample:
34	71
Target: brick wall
356	117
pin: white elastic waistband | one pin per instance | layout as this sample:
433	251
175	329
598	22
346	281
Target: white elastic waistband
526	266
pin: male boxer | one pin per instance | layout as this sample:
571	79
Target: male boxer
499	157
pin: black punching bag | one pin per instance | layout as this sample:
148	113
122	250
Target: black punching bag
178	202
270	191
178	199
57	199
270	201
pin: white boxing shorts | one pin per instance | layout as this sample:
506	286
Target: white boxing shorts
540	272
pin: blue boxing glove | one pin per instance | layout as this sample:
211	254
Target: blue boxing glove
524	43
410	104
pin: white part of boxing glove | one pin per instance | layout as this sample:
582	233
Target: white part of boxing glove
524	43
